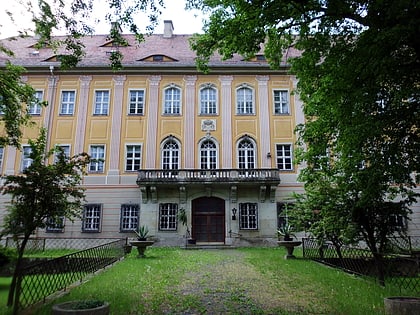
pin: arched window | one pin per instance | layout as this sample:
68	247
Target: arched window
208	155
170	154
246	155
244	101
172	101
208	101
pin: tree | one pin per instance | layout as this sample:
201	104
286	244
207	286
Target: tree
359	74
44	193
14	95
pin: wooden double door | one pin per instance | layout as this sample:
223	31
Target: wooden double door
208	220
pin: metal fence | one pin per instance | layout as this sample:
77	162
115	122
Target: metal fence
38	281
41	244
402	268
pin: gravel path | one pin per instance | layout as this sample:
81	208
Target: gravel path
234	286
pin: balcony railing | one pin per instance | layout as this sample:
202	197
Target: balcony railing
191	176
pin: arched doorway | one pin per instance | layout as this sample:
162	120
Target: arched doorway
208	220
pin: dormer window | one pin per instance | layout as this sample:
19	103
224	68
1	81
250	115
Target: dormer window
158	58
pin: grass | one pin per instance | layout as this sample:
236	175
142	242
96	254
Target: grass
176	281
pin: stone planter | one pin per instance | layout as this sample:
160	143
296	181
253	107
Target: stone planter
141	247
75	308
290	246
402	305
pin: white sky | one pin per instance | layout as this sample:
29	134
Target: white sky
185	22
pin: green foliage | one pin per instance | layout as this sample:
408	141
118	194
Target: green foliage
142	232
7	254
54	15
44	190
14	95
358	74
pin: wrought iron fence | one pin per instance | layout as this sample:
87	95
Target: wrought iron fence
38	281
42	244
401	270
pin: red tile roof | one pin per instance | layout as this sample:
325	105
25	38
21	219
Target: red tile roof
176	47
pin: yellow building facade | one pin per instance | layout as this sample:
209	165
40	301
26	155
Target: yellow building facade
165	137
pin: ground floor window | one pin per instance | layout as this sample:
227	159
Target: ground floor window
129	219
55	225
168	216
91	218
248	216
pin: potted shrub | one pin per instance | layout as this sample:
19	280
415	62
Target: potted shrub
85	307
142	243
142	233
286	231
183	219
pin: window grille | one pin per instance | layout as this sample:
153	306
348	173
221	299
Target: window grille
129	217
91	218
55	225
168	216
248	216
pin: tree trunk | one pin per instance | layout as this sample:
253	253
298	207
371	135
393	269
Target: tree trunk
13	291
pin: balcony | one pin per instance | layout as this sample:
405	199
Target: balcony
264	180
220	176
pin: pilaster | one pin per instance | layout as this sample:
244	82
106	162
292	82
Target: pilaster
264	120
82	113
115	143
189	124
152	121
226	111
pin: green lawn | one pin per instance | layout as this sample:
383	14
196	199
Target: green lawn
177	281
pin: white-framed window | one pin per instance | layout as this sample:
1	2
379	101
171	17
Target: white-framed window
92	218
67	102
34	108
284	157
129	219
246	155
208	155
136	102
132	157
248	216
244	101
168	217
97	155
172	101
1	158
281	102
208	101
55	225
26	160
63	147
170	154
101	102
